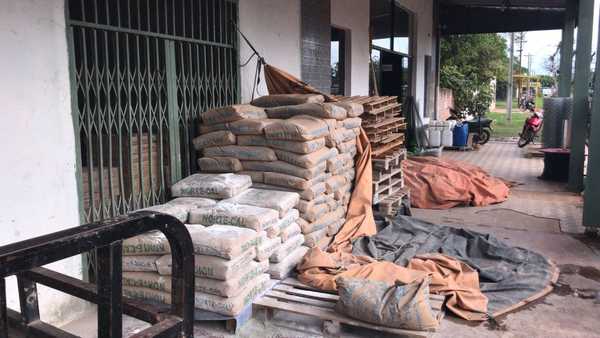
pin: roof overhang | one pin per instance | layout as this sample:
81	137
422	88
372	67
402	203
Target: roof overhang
497	16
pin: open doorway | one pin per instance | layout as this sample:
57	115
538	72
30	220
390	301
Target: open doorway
338	61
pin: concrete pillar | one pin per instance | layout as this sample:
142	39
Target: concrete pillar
566	51
580	95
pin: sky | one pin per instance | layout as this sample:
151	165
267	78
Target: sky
542	44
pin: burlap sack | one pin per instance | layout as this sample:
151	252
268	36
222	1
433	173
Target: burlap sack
282	269
219	165
286	247
347	147
334	183
352	109
315	212
240	215
297	128
234	305
255	176
290	232
140	263
150	243
306	160
320	110
242	153
249	126
235	285
281	201
277	100
233	113
312	239
177	211
290	218
216	186
209	128
267	248
303	147
285	168
193	202
224	241
403	306
352	123
210	266
214	139
252	140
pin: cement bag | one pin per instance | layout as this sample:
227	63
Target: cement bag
320	110
352	109
224	241
216	138
290	181
297	128
234	286
304	206
318	224
331	203
234	305
147	295
334	228
404	306
277	100
148	280
314	212
249	127
281	201
233	113
211	266
290	232
219	164
240	215
312	239
216	186
209	128
150	243
347	147
324	242
348	135
267	248
255	176
352	123
140	263
334	183
242	153
193	202
252	140
286	247
299	147
177	211
285	168
338	162
334	138
307	194
290	218
306	160
282	269
273	231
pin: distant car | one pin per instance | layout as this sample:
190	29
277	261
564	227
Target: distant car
547	92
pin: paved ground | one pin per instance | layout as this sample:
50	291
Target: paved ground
539	215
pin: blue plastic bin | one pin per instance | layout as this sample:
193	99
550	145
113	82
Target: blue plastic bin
460	135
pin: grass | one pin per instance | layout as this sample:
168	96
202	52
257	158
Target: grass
503	127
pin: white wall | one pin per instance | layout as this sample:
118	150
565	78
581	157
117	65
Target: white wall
39	192
273	27
353	15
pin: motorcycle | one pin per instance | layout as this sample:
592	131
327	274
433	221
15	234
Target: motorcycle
480	126
532	127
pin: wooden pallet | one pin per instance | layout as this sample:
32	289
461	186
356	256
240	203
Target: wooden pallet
389	160
390	205
377	152
388	187
293	296
383	177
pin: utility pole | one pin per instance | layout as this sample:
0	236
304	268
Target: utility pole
529	73
509	89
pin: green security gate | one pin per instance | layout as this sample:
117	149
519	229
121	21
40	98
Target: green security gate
141	73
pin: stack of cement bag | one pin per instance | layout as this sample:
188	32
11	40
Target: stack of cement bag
295	143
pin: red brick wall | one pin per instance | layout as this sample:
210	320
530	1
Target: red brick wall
445	102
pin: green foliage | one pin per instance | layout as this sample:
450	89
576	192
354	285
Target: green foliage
547	81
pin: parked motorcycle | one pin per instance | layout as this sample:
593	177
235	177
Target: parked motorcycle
480	126
532	127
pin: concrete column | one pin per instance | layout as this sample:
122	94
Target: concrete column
566	51
580	96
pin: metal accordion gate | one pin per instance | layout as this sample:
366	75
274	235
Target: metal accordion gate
141	73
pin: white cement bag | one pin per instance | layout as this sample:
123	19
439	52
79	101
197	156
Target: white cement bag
213	139
335	137
307	194
234	286
216	186
150	243
281	201
234	305
273	231
285	168
177	211
334	183
219	164
282	269
267	248
290	232
249	126
290	218
147	280
277	100
140	263
224	241
252	140
242	153
312	239
147	295
297	128
193	202
255	176
241	215
210	266
304	206
321	223
286	247
320	110
233	113
304	147
292	182
315	212
352	123
347	147
306	160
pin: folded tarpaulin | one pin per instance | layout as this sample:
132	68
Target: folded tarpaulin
436	183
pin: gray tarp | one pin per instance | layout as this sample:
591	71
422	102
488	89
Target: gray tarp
508	275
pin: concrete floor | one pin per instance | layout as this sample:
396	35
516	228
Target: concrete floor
538	215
